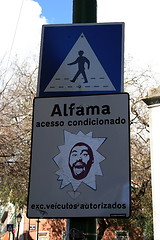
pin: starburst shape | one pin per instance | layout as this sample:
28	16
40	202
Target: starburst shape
65	175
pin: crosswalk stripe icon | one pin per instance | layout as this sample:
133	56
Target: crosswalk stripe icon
80	71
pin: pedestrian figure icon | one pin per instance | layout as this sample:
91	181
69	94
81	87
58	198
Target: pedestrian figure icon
81	60
80	65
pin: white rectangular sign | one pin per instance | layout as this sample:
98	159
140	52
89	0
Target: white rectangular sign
80	158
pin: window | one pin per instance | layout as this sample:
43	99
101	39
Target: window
43	236
121	235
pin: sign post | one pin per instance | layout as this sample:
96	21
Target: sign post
85	12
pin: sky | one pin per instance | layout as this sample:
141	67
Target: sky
21	22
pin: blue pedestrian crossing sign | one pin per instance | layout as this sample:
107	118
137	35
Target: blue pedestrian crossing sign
81	59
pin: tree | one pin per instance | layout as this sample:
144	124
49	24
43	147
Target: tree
15	140
56	228
140	222
15	136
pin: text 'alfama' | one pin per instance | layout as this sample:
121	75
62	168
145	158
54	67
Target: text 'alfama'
72	109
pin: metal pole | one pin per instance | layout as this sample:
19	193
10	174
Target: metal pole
84	11
18	230
82	228
38	221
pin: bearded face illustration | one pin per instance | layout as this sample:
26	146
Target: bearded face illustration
80	160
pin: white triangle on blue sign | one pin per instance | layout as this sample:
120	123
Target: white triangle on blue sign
80	71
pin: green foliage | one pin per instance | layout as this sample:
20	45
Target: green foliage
14	191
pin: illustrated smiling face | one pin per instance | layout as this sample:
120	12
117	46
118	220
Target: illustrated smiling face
80	160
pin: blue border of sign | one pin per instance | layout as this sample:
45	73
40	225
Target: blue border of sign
107	41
